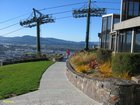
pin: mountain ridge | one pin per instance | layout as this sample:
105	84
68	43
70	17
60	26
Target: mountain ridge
31	40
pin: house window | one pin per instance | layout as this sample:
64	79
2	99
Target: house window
130	13
121	42
113	42
104	23
107	41
116	20
136	8
128	40
109	23
137	41
130	9
104	26
125	41
106	29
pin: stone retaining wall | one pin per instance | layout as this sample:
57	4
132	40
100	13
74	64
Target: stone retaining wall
106	91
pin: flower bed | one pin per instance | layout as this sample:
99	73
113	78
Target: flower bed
121	65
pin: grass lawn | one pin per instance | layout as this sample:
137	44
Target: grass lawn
21	78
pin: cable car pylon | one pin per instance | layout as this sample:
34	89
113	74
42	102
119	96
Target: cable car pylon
35	21
88	12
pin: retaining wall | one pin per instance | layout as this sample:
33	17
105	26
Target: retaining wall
106	91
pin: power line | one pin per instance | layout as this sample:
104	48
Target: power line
55	13
113	8
11	32
106	2
51	14
18	22
64	17
62	6
23	28
5	21
9	26
53	8
41	10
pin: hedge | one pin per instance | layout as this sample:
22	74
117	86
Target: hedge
126	62
24	61
103	55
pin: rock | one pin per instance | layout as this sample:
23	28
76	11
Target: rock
136	79
114	99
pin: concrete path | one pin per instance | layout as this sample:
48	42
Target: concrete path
54	89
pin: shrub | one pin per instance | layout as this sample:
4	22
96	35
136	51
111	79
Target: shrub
124	75
126	63
93	64
105	68
93	50
82	68
103	55
82	58
83	61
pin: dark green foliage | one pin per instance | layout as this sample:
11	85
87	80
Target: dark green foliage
93	50
103	55
24	60
126	62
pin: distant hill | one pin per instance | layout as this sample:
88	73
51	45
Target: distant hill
49	42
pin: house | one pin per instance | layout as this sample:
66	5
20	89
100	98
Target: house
124	35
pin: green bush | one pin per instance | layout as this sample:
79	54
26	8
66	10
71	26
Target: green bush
103	55
126	63
93	50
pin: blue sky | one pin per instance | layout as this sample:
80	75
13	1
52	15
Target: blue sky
67	29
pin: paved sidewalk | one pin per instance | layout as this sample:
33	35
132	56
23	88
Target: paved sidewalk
54	89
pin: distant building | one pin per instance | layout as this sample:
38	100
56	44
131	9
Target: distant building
125	35
107	39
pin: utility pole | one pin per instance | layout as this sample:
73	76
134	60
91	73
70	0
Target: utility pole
38	31
88	12
88	26
38	37
36	20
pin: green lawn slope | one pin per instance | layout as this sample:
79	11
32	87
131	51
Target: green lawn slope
21	78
